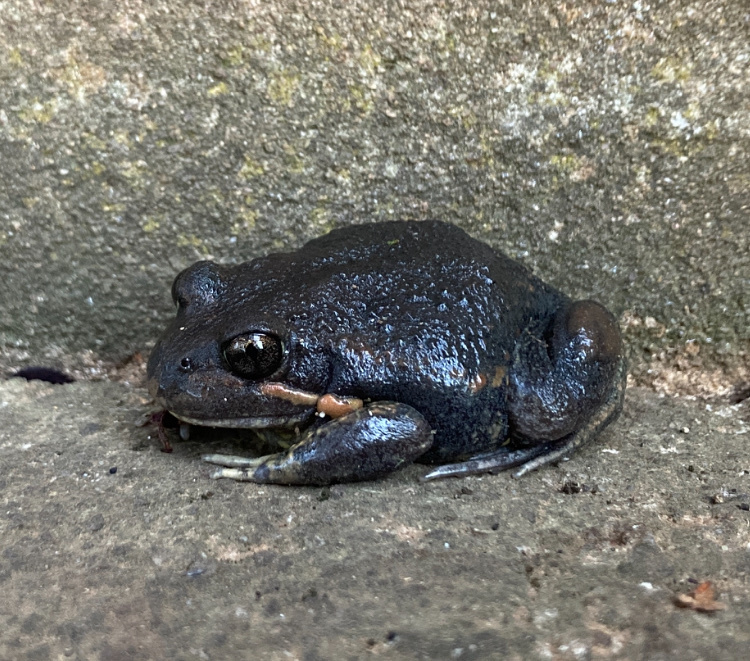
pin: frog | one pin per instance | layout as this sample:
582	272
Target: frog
383	344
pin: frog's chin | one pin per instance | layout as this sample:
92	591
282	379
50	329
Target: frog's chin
258	422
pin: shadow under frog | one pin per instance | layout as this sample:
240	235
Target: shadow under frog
383	344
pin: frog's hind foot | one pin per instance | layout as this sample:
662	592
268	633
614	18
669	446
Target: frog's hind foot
492	462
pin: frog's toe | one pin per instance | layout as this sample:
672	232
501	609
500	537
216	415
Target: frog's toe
239	474
233	461
489	462
245	469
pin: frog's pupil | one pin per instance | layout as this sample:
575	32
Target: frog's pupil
254	355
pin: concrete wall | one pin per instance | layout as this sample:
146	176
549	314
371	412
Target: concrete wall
603	144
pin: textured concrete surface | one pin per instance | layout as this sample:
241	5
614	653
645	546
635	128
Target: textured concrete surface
157	561
602	143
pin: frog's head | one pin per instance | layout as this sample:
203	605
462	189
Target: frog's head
226	362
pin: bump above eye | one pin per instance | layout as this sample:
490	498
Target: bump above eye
254	355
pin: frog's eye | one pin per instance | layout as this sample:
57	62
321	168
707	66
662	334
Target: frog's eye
254	355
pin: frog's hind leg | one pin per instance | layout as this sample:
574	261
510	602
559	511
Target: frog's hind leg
533	457
361	445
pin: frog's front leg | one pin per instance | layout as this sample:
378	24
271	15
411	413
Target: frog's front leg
362	445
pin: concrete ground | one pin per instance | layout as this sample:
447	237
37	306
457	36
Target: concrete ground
113	550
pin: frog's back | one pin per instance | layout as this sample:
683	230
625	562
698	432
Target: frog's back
420	290
423	272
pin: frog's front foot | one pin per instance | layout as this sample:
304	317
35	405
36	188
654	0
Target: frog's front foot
235	461
362	445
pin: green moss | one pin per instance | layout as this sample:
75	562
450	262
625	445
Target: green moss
260	43
218	90
564	162
361	98
213	196
369	59
150	225
122	137
487	149
15	58
319	216
191	241
281	87
693	111
469	120
250	169
245	221
293	162
93	141
80	75
711	130
134	172
37	112
333	41
671	70
652	117
234	56
675	146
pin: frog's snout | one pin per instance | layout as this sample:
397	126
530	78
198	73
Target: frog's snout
154	373
165	375
155	383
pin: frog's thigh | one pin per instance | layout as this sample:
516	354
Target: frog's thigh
602	417
362	445
533	457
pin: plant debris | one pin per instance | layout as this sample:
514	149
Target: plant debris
701	599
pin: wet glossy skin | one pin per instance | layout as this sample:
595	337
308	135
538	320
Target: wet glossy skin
439	350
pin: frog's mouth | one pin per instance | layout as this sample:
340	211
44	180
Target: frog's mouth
290	408
260	422
329	404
